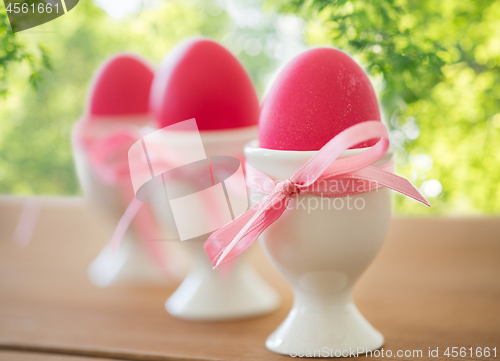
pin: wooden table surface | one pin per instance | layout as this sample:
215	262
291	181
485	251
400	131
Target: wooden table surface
35	356
435	284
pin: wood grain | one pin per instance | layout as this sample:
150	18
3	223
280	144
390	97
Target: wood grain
33	356
435	284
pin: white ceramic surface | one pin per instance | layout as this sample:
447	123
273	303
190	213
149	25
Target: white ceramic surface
322	252
207	294
130	263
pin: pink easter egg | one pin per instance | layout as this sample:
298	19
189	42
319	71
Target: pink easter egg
316	96
121	87
201	79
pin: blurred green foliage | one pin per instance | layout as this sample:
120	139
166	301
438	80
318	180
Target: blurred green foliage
35	126
14	52
436	66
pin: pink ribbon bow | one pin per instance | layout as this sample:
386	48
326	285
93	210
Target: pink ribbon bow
108	156
312	178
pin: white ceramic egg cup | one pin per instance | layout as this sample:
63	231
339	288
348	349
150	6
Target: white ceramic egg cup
129	264
207	294
321	252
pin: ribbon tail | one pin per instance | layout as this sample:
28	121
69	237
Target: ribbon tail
217	243
392	181
124	223
235	237
149	235
27	221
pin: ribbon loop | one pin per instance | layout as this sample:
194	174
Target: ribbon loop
328	155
